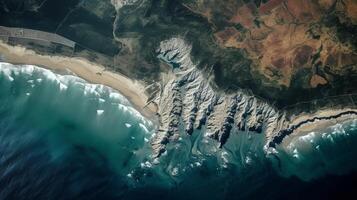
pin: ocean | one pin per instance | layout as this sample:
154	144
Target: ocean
64	138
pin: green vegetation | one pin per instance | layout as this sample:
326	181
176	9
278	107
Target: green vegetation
140	28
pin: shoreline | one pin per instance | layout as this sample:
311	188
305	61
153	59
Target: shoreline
304	124
95	73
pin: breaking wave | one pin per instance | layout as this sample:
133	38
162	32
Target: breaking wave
68	108
309	155
65	136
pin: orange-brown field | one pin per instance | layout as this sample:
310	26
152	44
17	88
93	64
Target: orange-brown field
283	36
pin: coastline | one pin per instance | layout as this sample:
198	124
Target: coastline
95	73
306	123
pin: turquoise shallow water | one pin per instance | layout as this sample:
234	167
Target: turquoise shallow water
63	138
314	154
68	109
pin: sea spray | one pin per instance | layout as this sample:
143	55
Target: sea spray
59	129
69	109
66	112
313	154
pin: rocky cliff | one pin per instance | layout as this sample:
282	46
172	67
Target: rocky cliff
188	102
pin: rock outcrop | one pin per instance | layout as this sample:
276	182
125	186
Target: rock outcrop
188	102
120	3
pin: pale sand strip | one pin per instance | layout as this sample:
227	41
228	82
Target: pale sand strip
322	113
93	73
320	125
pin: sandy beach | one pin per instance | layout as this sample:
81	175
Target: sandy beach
322	113
92	72
322	124
318	126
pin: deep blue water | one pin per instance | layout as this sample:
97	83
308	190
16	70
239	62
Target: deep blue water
63	138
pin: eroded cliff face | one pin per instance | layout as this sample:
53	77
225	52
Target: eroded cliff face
255	45
285	51
188	102
120	3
